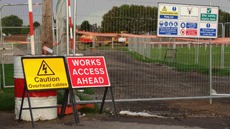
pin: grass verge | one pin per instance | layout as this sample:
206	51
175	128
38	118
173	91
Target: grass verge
7	99
183	67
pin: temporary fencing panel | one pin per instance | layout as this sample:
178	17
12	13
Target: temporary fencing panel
125	33
15	39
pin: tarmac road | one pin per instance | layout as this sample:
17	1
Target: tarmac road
8	121
95	124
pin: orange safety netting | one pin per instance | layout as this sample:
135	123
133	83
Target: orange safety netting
88	37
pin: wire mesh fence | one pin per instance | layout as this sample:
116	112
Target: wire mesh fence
14	37
61	47
189	58
143	66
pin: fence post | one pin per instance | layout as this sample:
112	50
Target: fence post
74	26
67	27
210	71
1	71
222	48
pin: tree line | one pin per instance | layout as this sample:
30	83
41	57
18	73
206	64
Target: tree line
14	25
138	19
134	19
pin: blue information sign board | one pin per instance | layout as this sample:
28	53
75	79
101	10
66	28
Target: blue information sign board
168	30
168	17
207	32
191	21
191	25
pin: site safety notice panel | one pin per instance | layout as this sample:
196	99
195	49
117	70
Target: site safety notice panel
192	21
88	71
43	73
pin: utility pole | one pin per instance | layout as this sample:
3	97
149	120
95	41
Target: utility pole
47	38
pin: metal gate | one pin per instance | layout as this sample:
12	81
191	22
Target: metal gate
126	35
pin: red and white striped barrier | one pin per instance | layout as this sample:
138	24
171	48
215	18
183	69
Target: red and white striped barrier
31	27
37	98
70	25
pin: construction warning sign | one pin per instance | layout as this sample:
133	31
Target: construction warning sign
45	73
168	11
88	71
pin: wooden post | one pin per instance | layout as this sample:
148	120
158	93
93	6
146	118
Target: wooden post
47	38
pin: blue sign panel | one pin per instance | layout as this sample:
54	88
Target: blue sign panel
168	30
166	23
176	24
174	8
191	25
168	17
207	32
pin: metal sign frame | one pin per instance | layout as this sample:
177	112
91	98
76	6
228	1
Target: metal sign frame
106	86
68	91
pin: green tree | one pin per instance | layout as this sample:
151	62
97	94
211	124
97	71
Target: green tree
36	24
85	26
224	20
25	30
135	19
11	21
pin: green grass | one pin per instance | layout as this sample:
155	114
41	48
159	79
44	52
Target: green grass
90	110
122	48
9	74
88	91
82	96
187	56
186	63
7	99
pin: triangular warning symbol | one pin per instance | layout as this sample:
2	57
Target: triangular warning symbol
164	9
45	70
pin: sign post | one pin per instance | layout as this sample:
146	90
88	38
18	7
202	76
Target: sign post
90	71
46	73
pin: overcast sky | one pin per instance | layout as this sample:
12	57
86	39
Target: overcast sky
93	10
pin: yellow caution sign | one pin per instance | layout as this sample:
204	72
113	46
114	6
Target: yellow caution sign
164	9
45	69
45	73
168	10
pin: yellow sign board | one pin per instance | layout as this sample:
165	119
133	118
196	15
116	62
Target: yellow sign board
168	10
45	73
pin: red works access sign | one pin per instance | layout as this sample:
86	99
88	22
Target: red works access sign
191	32
88	71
